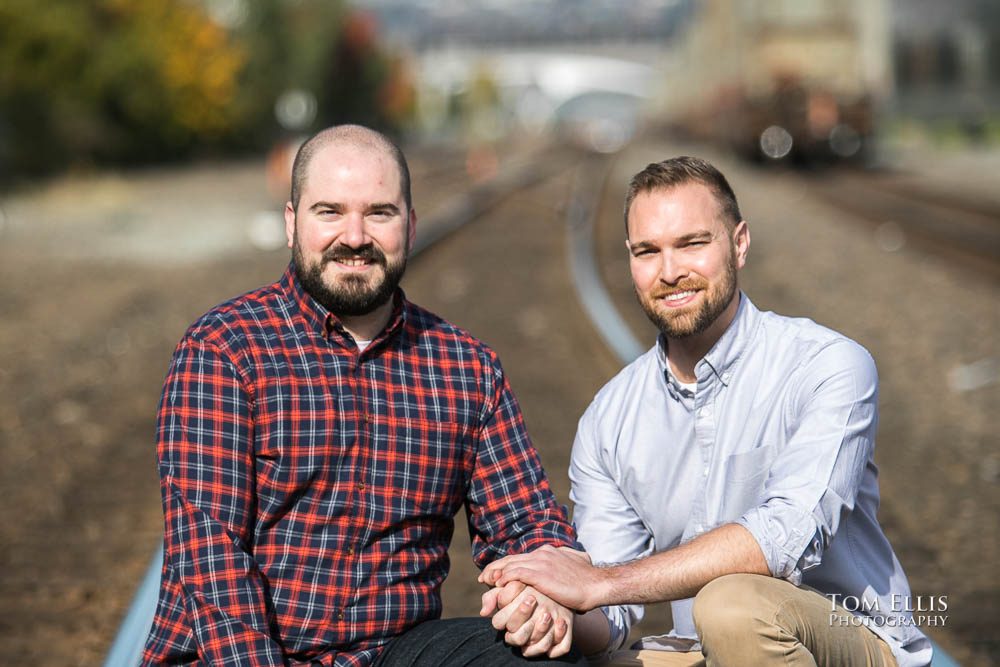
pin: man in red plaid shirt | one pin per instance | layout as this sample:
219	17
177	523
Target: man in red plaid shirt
315	439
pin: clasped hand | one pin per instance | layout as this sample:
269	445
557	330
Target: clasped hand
534	594
532	620
565	575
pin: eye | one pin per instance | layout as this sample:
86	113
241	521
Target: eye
381	214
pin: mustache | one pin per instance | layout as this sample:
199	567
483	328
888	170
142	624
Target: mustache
368	253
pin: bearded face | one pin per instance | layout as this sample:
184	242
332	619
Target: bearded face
663	304
351	230
684	257
349	294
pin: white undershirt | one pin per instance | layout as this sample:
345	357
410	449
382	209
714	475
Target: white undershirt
690	386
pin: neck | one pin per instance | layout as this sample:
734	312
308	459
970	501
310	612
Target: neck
683	354
369	325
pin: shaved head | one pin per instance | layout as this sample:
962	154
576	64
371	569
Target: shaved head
354	136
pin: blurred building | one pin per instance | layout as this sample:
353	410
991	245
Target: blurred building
819	75
946	59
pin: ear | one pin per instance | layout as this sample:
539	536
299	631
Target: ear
289	223
741	241
411	228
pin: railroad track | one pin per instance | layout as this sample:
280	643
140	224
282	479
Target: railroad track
449	217
943	223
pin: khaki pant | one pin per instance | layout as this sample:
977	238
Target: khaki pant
748	619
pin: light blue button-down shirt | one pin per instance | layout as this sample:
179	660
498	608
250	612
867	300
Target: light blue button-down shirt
778	437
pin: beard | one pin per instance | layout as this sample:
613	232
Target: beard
686	323
349	295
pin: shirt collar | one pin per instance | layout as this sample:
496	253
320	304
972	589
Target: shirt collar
325	323
725	353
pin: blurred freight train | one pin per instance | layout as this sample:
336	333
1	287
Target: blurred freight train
802	80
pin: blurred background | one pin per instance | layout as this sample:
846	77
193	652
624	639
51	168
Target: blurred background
145	147
145	82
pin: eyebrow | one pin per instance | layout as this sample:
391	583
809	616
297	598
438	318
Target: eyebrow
387	206
702	235
380	206
324	204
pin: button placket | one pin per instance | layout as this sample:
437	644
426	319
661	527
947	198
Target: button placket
364	435
704	427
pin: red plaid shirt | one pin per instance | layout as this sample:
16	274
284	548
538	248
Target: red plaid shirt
309	488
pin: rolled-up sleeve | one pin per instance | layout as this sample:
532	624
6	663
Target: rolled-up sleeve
606	523
814	480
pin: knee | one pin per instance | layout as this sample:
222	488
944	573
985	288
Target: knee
729	606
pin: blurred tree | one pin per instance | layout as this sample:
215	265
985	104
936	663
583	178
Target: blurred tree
397	96
111	79
289	43
360	82
149	80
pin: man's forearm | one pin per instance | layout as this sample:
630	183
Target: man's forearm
224	592
568	577
681	572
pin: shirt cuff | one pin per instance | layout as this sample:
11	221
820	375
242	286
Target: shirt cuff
530	543
789	539
618	629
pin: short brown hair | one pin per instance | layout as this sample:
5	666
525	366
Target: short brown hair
357	135
678	171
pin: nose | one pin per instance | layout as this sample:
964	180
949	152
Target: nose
672	271
354	234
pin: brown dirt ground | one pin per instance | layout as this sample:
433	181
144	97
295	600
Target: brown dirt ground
87	333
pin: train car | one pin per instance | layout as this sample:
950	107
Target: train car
784	79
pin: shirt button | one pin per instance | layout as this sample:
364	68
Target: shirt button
340	615
361	486
350	551
704	473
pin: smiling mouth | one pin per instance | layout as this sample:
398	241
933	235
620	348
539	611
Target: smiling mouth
353	262
677	298
359	260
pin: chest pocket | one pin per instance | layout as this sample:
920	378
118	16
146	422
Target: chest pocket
743	481
425	461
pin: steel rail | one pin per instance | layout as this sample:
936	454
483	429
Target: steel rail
940	225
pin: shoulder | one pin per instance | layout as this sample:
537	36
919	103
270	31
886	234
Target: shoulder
619	392
230	325
816	353
435	333
809	339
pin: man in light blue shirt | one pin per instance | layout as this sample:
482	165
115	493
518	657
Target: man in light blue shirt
729	469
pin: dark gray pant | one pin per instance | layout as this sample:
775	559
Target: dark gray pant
457	642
